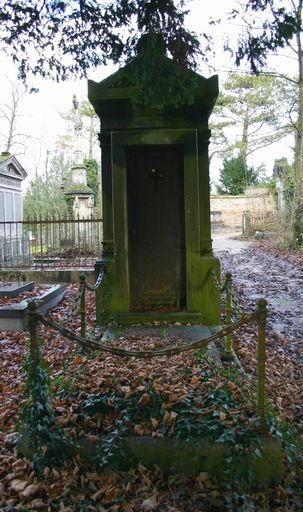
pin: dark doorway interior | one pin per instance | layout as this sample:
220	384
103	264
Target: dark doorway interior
156	227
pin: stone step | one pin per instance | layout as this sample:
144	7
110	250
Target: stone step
149	317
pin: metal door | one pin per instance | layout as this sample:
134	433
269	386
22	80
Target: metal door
156	232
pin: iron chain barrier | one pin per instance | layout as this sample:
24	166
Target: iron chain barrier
79	302
216	281
98	282
259	316
232	307
74	307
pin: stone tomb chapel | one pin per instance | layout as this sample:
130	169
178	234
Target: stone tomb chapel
156	205
11	176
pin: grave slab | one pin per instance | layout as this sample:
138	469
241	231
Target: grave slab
171	333
13	317
14	288
183	456
190	456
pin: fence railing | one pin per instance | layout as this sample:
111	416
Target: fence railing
252	222
43	243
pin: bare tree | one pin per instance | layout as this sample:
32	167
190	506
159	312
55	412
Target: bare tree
11	139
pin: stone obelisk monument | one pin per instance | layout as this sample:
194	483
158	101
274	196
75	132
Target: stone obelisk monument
80	195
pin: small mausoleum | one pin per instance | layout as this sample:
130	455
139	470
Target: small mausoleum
156	205
11	176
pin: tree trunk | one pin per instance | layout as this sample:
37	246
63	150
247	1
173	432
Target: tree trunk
244	144
12	124
299	134
244	141
298	224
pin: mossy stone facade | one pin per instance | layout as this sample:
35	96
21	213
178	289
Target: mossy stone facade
156	205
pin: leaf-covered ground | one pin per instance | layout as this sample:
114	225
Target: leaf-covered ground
97	397
265	271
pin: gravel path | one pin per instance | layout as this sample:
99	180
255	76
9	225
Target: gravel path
257	273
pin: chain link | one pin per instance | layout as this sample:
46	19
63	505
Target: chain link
76	302
226	287
235	304
74	306
93	344
94	287
216	281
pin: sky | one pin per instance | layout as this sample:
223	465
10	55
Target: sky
40	111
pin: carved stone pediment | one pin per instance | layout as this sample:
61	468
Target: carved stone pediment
10	168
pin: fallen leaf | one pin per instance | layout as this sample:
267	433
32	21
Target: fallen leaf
195	380
149	504
169	417
30	490
18	485
202	477
138	429
155	423
110	493
96	495
20	465
125	389
145	399
37	504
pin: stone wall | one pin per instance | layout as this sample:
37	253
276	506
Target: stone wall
227	211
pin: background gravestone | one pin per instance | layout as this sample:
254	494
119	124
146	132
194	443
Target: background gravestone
81	197
156	204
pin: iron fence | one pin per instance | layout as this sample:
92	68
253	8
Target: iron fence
247	222
252	222
43	243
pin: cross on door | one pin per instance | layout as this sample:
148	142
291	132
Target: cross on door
156	176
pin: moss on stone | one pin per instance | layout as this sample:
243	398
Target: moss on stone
78	189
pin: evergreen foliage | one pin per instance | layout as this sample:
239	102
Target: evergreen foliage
62	38
40	438
66	38
235	176
93	178
252	112
45	197
269	26
277	24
